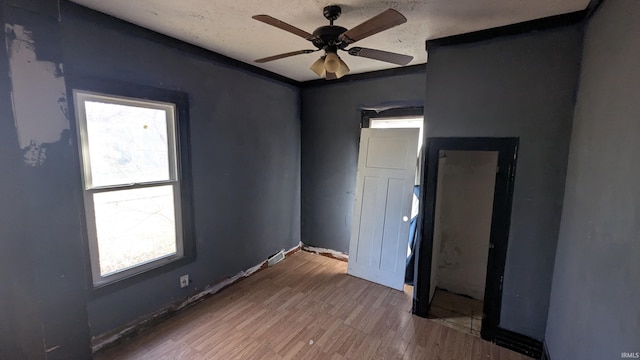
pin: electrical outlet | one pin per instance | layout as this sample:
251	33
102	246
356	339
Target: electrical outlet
184	281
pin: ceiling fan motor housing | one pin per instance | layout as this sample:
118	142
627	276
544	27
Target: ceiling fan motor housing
328	36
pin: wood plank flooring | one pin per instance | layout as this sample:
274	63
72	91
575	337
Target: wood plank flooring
305	307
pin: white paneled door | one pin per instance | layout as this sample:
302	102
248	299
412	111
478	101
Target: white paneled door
382	211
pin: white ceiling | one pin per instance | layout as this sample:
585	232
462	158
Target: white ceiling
226	27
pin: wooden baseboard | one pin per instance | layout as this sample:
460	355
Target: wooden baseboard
519	343
145	323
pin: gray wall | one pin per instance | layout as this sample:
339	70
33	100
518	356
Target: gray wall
245	153
595	311
331	117
42	269
520	86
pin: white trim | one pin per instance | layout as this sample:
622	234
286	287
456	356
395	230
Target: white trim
80	97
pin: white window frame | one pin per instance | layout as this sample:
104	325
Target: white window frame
80	97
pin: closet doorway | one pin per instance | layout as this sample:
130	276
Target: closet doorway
462	242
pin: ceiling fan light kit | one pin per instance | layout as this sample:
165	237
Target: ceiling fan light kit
331	38
318	67
343	70
331	62
322	70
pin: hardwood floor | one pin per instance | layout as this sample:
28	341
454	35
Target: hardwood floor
305	307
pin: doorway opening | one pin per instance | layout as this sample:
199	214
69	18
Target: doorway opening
464	231
404	118
462	228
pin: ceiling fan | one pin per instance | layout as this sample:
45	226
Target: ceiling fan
332	38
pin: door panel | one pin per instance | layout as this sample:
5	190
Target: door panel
392	229
384	153
368	210
384	190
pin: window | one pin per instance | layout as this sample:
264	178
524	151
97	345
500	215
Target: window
395	118
131	184
398	118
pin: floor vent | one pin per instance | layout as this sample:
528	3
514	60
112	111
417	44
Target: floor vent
276	258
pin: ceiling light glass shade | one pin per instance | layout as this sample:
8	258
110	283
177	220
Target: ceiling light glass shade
342	70
318	67
331	62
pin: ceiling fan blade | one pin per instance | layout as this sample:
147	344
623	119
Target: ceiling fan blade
386	56
376	24
281	56
284	26
330	76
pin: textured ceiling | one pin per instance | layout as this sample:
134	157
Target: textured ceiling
226	27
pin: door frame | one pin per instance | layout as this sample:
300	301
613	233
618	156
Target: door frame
367	115
507	149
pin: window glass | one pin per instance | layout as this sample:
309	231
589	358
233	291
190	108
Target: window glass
127	144
134	227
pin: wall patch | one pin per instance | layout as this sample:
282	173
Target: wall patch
38	95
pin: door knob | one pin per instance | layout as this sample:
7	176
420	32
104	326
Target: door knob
405	218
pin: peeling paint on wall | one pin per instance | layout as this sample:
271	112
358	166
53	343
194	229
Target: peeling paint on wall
326	252
38	96
139	325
